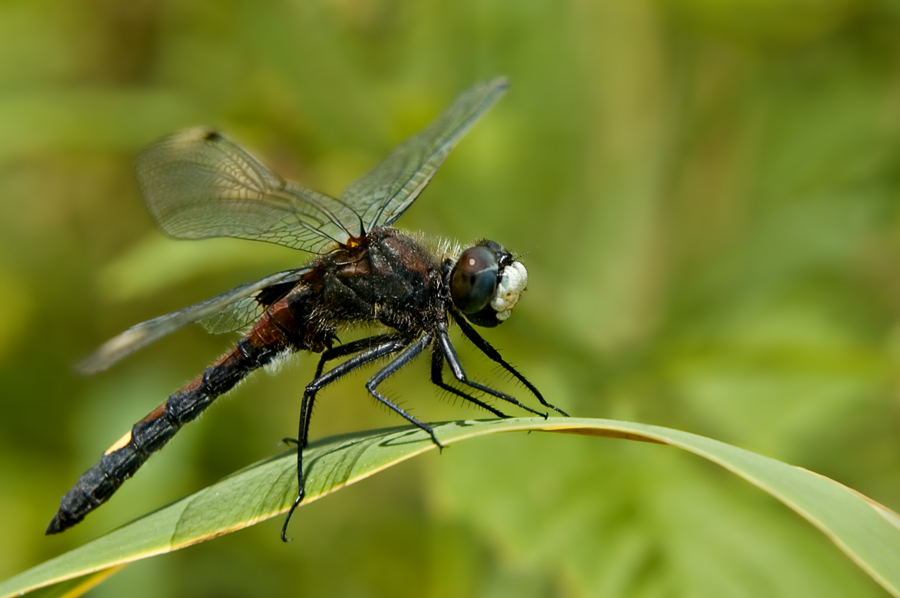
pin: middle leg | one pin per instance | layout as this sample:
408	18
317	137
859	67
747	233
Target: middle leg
494	355
391	369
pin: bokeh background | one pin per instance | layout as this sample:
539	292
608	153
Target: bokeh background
708	192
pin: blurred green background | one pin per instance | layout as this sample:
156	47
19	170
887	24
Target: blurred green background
708	192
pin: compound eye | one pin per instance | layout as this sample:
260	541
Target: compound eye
473	281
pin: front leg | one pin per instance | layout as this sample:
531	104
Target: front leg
456	367
494	355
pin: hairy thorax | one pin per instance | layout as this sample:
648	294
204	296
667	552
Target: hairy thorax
390	280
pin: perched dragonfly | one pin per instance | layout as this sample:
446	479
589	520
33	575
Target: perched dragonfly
197	184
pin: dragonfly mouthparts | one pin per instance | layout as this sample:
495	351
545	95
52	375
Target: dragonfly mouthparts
513	281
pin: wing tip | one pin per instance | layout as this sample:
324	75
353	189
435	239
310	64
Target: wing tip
114	349
501	83
92	364
490	91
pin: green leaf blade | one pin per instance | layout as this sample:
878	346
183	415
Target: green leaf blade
866	531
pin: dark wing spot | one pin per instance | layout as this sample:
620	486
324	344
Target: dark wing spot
270	295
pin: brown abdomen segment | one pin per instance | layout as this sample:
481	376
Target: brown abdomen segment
123	459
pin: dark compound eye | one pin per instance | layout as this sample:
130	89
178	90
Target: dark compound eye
473	281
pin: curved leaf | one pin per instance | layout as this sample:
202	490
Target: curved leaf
868	532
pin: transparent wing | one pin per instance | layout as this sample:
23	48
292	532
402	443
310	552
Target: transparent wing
386	191
147	332
236	316
198	184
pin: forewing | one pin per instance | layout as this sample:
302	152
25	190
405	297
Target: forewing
147	332
386	191
198	184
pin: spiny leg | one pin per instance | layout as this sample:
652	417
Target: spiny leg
494	355
350	348
437	378
330	355
385	347
389	370
460	374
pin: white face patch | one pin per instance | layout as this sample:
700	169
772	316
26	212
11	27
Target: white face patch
512	282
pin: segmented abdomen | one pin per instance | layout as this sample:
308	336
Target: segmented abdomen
125	457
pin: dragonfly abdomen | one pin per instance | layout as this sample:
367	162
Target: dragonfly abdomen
125	457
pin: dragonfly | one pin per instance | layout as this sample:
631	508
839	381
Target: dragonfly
198	184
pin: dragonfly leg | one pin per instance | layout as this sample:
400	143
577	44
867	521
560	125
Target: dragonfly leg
437	378
330	355
390	369
494	355
371	349
456	367
350	348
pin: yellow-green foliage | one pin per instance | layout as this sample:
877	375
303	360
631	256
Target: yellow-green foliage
708	194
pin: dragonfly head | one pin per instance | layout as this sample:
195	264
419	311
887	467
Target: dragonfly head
485	283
